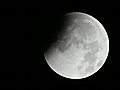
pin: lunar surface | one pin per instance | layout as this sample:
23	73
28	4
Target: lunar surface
82	48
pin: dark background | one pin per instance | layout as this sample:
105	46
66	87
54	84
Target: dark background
28	32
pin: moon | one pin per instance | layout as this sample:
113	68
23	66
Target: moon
82	48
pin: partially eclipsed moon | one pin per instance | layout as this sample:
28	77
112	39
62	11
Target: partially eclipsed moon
88	48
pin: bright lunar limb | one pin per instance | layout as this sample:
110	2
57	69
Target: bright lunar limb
88	51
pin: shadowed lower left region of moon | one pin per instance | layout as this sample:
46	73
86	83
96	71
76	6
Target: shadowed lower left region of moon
80	48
